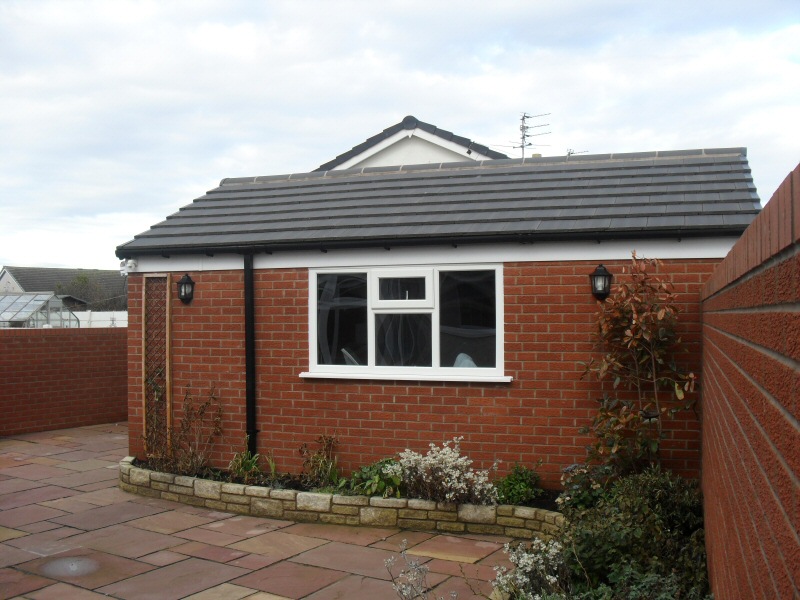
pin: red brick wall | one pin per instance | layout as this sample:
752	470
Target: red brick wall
549	324
751	407
59	378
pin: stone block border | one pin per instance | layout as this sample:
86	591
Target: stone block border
309	507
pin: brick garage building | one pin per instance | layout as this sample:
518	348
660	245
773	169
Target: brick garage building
397	306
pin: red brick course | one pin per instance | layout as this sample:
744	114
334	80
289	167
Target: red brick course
751	436
60	378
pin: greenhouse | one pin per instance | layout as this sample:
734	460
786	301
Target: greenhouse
35	310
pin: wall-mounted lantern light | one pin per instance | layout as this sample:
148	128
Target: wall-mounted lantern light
185	289
601	282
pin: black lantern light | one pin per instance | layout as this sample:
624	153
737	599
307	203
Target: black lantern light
185	289
601	282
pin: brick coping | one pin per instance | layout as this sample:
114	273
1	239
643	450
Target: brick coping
312	507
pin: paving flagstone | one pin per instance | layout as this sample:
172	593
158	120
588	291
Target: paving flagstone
64	591
454	548
68	532
174	581
15	583
369	562
85	568
290	579
129	542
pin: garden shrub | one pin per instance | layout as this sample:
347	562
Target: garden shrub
376	480
634	585
539	571
625	538
320	468
652	522
443	475
185	448
520	487
244	467
637	334
584	485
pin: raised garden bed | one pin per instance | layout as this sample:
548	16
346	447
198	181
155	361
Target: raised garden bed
312	507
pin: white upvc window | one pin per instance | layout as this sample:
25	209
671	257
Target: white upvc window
433	323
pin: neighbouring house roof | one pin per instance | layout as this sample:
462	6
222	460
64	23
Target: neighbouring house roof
399	133
44	279
681	194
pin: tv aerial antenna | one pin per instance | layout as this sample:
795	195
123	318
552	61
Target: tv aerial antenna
524	130
570	152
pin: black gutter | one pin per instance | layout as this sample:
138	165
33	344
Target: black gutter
250	354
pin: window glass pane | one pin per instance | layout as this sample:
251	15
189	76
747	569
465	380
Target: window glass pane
467	319
342	319
403	340
401	288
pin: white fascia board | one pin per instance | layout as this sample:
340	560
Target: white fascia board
379	147
452	146
692	248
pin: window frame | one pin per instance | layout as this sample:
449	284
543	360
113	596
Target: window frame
430	305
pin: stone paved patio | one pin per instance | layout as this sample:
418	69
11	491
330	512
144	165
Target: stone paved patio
67	531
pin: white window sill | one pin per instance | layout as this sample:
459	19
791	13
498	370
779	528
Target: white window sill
467	378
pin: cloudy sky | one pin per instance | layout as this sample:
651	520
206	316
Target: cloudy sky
114	114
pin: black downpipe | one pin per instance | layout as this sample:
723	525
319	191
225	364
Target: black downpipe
250	354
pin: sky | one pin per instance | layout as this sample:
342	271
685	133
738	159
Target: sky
114	114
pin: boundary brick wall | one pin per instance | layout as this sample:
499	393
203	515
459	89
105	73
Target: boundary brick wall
549	313
61	378
751	407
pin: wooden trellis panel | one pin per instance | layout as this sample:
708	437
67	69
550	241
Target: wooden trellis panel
157	392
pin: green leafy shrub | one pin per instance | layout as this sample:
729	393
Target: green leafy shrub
584	485
520	487
375	480
652	521
625	538
634	585
244	467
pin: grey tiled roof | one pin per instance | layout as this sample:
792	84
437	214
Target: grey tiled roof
611	196
410	122
44	279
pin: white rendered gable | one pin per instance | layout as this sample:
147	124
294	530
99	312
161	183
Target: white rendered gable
411	147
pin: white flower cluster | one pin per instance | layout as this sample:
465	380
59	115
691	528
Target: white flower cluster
443	475
538	567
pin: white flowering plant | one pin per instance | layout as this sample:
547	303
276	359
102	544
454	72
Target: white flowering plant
411	583
539	572
443	475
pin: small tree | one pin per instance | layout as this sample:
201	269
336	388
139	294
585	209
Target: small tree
87	287
636	332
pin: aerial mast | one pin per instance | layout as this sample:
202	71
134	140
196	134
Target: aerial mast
524	130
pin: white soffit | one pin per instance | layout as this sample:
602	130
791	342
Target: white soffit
695	248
